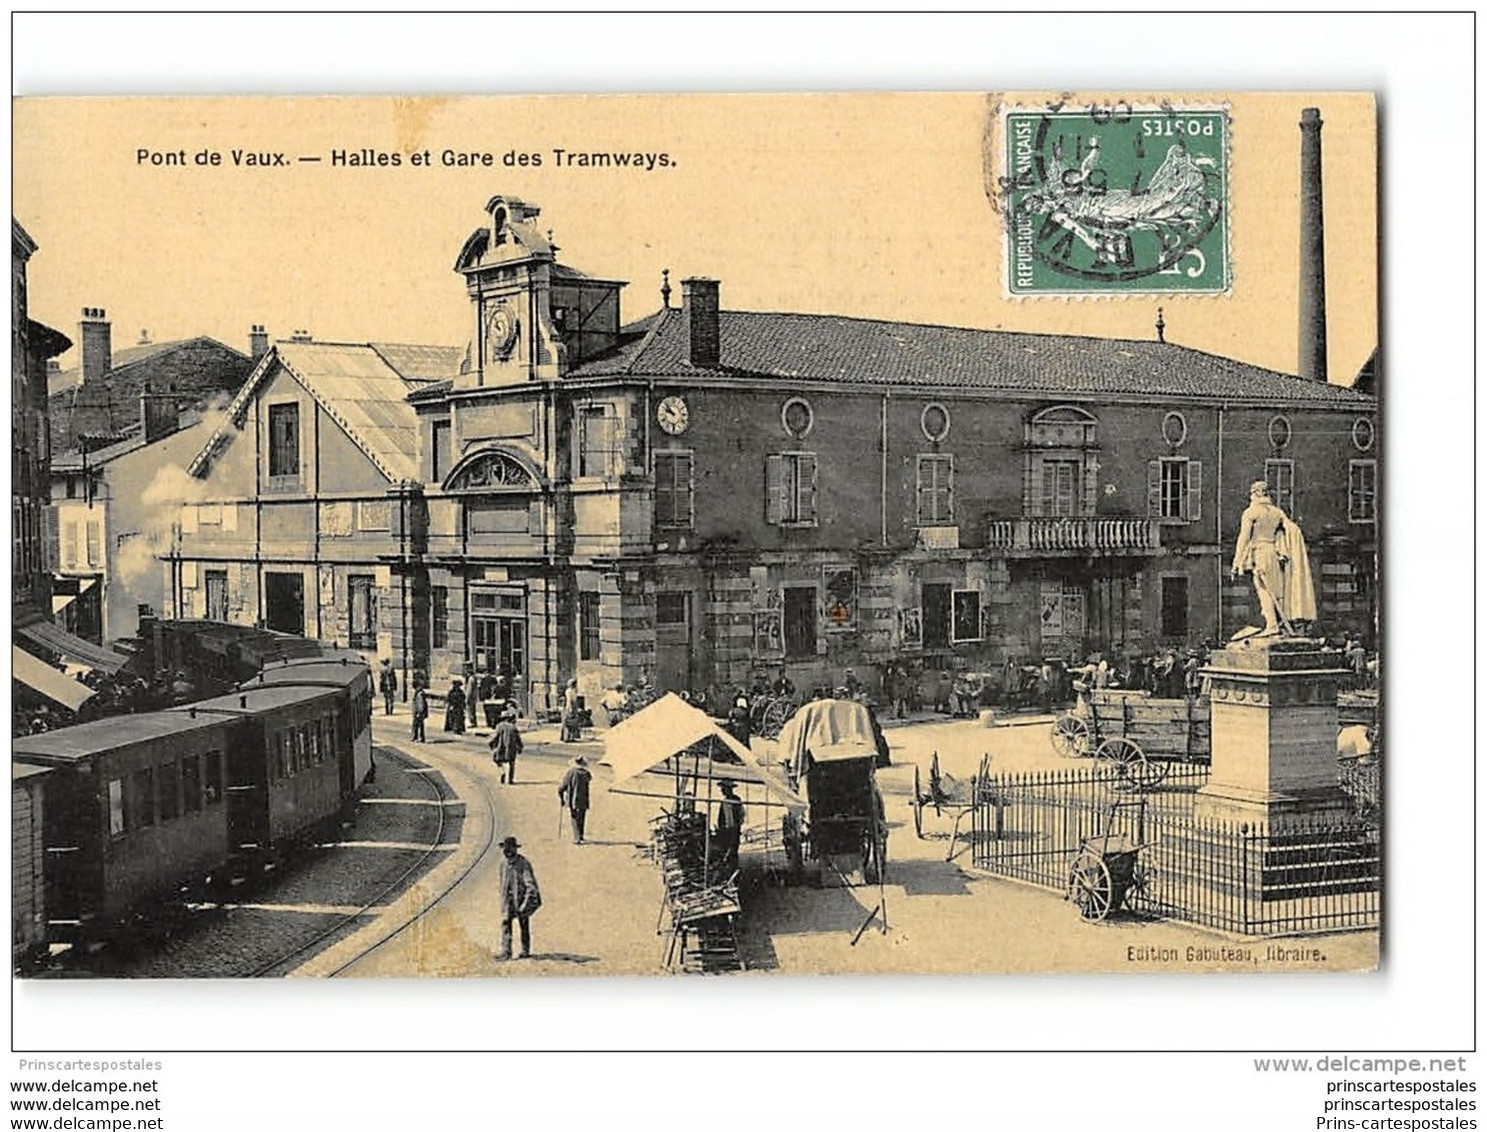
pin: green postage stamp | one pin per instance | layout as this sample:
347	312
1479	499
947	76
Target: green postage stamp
1116	199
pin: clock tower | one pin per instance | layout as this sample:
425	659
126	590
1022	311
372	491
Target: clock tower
533	318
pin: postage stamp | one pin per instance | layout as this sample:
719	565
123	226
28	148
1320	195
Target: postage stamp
1116	199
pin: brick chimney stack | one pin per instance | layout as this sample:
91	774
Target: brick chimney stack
95	345
1311	359
700	304
257	341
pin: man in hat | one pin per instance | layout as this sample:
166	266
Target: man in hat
420	710
1270	549
729	828
505	745
520	897
573	792
387	684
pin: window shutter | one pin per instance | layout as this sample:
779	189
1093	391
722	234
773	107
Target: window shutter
949	489
50	536
1195	490
808	476
69	541
1091	483
1028	507
774	482
691	492
1154	489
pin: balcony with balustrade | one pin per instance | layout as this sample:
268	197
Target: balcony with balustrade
1071	536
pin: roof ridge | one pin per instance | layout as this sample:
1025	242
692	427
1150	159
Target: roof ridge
662	316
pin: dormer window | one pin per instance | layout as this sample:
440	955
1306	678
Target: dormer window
498	227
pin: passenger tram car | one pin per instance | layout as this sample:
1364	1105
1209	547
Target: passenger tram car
139	809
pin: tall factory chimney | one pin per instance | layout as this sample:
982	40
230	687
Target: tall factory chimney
1311	359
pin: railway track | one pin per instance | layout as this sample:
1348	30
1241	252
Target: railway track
441	795
391	927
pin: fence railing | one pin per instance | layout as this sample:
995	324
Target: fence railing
1305	876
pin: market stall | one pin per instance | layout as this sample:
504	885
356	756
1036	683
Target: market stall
678	755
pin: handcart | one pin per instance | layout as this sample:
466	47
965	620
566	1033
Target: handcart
1107	869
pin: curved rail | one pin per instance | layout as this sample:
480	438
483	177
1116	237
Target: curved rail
440	797
453	883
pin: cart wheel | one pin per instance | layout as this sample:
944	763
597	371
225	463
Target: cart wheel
1070	736
918	804
1153	773
1126	757
1141	893
1090	886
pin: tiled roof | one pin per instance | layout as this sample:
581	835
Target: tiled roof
832	348
66	379
198	370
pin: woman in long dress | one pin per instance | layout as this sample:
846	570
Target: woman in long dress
454	708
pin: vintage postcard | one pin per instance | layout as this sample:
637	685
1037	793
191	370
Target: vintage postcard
871	533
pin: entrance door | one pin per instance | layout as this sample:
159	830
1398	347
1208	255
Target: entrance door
499	641
284	603
800	622
674	641
936	598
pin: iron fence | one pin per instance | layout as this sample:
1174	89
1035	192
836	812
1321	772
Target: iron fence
1304	876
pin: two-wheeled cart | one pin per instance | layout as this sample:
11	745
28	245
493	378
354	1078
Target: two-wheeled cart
1108	869
945	792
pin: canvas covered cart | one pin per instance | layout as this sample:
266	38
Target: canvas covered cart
829	753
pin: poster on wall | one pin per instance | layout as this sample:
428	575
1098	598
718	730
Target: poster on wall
840	586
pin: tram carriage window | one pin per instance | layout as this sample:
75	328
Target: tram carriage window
281	755
170	791
140	806
312	742
191	783
213	791
116	807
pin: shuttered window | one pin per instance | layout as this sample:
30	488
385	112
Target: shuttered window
1362	491
936	490
790	490
597	455
674	484
283	440
438	616
1060	488
1281	476
1174	489
588	626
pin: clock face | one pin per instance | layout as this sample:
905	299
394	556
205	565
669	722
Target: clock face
500	332
672	415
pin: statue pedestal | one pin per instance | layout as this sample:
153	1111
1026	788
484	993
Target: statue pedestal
1274	733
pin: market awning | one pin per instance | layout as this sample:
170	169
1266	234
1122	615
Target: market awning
38	676
670	727
58	640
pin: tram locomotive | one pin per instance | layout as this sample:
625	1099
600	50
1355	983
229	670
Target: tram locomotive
140	808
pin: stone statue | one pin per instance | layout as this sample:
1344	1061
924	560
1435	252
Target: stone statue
1272	550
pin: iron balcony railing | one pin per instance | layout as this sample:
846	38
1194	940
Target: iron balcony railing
1048	535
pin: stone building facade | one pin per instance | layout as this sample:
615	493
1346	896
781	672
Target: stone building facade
703	493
